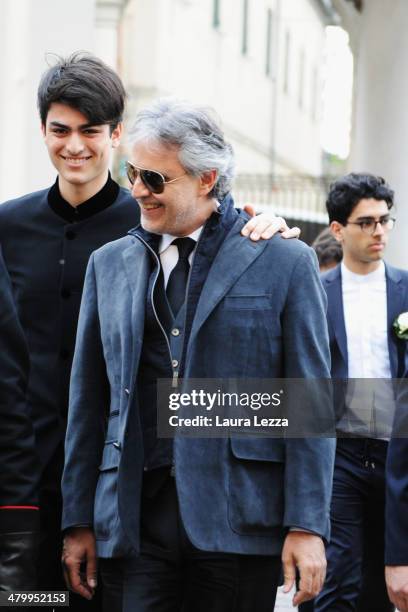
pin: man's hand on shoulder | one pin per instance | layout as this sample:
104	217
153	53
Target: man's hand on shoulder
396	577
266	225
79	561
304	551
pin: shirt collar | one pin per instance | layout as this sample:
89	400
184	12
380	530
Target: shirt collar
101	200
351	277
167	239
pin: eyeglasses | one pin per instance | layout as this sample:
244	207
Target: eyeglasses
369	225
154	181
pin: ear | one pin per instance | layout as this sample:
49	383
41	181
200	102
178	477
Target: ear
207	182
117	135
336	229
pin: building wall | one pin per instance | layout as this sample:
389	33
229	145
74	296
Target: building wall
174	47
26	35
299	97
380	134
169	47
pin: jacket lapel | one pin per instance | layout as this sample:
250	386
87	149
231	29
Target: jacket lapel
234	257
137	268
336	312
395	301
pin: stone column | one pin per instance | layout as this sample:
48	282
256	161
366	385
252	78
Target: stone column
108	15
380	134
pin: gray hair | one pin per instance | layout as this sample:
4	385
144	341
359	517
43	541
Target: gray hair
195	131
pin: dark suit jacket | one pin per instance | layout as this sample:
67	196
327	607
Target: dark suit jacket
396	520
396	516
261	314
19	471
46	258
397	302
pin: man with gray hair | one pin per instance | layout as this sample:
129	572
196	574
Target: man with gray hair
194	524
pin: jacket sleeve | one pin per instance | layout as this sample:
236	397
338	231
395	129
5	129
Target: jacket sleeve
19	469
396	507
309	460
88	407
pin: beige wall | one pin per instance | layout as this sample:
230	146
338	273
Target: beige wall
171	47
28	31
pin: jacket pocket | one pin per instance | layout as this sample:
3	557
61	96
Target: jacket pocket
248	302
261	449
106	495
256	485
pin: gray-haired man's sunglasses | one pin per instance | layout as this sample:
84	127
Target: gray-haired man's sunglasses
153	180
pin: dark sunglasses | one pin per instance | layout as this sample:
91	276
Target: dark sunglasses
154	181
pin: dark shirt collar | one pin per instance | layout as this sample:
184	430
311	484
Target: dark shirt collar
101	200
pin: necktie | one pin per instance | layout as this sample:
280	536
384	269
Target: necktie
177	283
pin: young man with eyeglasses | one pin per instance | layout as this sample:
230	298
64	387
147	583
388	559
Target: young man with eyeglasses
365	296
47	239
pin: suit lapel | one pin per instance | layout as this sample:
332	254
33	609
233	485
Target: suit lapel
336	311
234	257
137	268
395	301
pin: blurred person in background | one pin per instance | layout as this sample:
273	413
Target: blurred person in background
19	473
328	250
48	237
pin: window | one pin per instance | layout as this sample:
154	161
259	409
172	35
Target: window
244	47
301	81
269	42
216	13
286	65
314	96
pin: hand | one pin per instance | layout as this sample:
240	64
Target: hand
80	550
266	225
396	577
306	552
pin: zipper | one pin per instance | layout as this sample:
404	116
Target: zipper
174	382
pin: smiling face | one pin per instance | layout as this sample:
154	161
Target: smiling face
363	252
79	151
184	205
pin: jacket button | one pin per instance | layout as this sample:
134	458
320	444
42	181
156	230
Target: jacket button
127	391
174	363
175	332
70	235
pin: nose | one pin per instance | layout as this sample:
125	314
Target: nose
74	144
379	230
139	189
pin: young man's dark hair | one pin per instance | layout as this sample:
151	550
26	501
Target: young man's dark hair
82	81
346	192
328	250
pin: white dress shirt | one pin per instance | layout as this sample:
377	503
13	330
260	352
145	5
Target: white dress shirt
370	403
169	255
